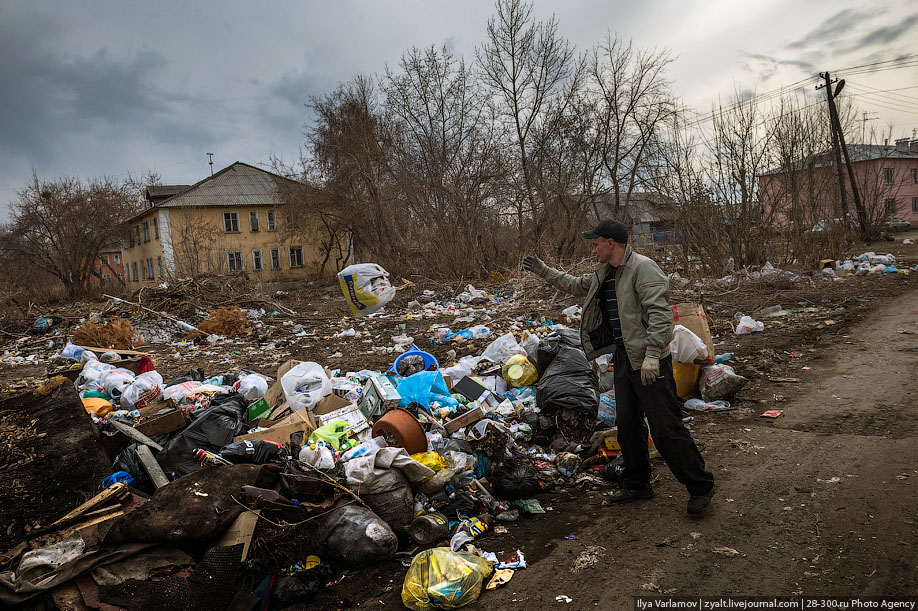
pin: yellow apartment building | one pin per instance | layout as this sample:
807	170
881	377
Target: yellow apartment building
235	221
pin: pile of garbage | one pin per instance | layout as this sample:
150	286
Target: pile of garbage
343	469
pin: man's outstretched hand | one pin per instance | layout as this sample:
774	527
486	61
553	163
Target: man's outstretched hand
534	264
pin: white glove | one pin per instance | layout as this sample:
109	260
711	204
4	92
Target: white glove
650	370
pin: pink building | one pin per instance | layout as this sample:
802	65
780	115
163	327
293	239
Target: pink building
886	175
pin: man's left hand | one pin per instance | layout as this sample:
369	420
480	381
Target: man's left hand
650	370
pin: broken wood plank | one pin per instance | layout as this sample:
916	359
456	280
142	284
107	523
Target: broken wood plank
135	434
117	491
157	476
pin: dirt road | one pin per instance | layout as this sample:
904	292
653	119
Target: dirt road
821	501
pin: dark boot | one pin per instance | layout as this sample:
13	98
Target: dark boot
698	503
626	495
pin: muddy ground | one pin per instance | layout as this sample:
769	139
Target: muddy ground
820	501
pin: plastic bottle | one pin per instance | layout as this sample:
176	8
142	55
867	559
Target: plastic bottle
429	528
209	458
476	526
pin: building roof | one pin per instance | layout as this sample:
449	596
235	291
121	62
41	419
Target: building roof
161	192
238	184
857	152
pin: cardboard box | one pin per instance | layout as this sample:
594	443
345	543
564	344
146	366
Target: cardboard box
350	414
297	417
158	407
328	404
275	395
469	417
259	409
379	396
281	432
162	424
692	317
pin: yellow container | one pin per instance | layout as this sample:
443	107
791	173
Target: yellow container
686	376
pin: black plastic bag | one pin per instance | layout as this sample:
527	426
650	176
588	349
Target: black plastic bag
300	587
567	382
212	429
127	460
251	452
517	483
193	375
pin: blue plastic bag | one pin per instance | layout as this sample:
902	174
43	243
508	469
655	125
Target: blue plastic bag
423	387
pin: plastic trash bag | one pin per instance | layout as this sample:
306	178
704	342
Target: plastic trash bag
253	387
748	325
431	460
146	389
518	371
354	535
423	387
607	412
305	385
502	349
317	455
251	452
366	287
335	434
177	392
566	382
719	381
90	376
697	405
116	381
440	577
686	346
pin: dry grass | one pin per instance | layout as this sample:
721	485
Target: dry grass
117	334
228	321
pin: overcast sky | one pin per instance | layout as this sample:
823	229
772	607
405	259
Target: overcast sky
116	87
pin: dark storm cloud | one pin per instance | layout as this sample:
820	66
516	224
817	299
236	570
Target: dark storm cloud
765	66
887	34
46	93
836	26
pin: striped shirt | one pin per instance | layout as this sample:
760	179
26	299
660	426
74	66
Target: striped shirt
610	308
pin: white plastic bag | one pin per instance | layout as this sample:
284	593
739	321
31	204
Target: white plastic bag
305	385
146	389
91	376
686	346
502	349
178	392
317	455
253	387
116	381
366	287
697	405
748	325
719	381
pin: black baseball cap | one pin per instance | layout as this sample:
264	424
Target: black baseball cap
608	229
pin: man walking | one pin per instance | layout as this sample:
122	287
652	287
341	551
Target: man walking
627	314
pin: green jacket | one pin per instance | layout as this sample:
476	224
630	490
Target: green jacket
642	291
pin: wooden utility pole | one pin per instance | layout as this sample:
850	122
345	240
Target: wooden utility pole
839	144
842	194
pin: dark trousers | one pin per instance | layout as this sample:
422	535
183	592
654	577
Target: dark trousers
658	402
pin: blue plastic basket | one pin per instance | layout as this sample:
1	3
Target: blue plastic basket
430	362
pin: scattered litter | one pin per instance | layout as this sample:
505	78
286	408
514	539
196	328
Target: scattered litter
772	413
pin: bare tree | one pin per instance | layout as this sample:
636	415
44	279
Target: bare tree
635	103
532	74
61	226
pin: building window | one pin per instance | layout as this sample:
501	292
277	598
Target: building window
150	268
275	258
131	238
257	264
159	264
890	206
143	270
134	270
104	259
146	231
231	222
253	220
914	176
887	176
137	229
272	223
106	278
117	259
296	256
155	228
915	204
234	260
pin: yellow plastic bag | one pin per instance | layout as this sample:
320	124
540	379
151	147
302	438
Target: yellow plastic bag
518	371
440	577
431	459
